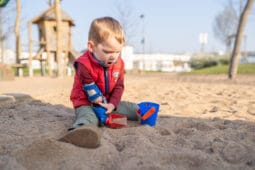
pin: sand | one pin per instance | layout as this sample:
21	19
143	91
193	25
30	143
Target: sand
205	122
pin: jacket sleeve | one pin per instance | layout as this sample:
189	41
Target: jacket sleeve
83	73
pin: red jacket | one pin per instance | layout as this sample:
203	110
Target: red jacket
109	80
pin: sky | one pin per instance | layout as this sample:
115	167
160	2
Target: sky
168	26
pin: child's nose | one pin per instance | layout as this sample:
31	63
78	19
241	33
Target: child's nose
114	56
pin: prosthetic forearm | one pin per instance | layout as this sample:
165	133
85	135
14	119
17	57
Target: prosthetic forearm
100	113
93	92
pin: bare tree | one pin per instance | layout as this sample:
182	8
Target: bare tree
128	19
234	61
3	21
225	25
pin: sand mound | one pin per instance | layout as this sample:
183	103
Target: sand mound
201	126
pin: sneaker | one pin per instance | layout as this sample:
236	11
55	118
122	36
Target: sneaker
84	136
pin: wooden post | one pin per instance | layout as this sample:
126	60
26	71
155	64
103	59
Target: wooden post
67	53
30	67
60	61
66	61
17	34
49	63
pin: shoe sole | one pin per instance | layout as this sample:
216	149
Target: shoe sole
84	136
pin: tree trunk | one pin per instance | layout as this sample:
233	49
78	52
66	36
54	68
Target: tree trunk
60	70
1	38
17	34
234	61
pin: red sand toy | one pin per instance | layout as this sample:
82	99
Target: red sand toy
116	120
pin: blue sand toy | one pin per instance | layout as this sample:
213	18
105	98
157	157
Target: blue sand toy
148	112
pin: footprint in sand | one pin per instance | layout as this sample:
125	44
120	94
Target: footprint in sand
163	131
234	152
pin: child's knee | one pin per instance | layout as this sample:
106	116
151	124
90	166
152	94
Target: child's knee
129	109
86	113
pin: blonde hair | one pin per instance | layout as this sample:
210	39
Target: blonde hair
102	28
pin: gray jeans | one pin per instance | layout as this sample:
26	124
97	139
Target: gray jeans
86	116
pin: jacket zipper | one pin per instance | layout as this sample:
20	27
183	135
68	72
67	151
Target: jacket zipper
106	78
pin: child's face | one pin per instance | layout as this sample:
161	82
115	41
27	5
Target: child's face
107	52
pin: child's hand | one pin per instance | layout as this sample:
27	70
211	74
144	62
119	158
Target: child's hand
109	107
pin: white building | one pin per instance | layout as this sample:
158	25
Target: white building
146	62
10	58
155	62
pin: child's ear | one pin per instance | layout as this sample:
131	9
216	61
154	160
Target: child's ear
90	46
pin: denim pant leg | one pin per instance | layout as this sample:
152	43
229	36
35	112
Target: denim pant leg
129	109
84	116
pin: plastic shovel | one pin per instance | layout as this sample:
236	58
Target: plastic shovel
115	120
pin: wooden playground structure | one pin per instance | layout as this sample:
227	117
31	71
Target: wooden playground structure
47	52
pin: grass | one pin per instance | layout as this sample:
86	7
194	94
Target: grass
26	71
223	69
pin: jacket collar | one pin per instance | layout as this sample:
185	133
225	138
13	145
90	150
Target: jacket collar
97	61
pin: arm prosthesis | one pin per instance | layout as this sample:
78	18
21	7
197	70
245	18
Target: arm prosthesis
94	93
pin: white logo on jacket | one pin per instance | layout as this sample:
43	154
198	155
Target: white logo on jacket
115	75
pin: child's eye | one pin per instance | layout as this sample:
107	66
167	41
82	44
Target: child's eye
110	52
107	52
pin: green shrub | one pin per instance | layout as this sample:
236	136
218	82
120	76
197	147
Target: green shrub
223	61
204	61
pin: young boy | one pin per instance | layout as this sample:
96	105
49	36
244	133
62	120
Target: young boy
99	80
